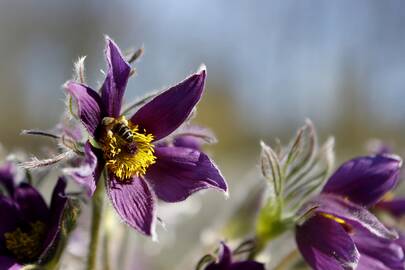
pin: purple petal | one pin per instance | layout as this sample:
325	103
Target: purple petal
31	203
134	202
368	263
365	180
383	250
188	142
88	173
225	256
58	205
7	263
7	177
193	137
247	265
179	172
166	112
325	244
9	210
353	214
401	240
396	206
88	102
70	129
115	83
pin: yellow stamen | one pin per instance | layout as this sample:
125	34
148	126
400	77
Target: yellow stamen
338	220
120	160
26	245
347	227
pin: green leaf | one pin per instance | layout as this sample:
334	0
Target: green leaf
270	166
302	151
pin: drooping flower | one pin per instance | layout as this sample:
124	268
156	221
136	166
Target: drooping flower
391	202
226	262
29	228
139	166
340	233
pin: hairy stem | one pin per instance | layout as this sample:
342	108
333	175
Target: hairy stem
97	209
106	252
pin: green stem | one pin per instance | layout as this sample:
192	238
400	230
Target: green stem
97	209
106	253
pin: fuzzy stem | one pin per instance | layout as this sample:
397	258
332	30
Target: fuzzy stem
106	253
97	209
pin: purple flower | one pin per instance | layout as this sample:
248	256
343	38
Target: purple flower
138	165
340	232
29	228
225	262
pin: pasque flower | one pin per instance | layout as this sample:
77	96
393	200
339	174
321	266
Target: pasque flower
29	228
391	203
226	262
139	166
339	232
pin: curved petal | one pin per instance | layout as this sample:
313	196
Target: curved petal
401	240
167	111
88	103
8	209
395	206
7	177
225	257
179	172
31	203
365	180
368	263
115	83
58	205
88	173
353	215
386	251
324	244
8	263
134	202
194	137
188	141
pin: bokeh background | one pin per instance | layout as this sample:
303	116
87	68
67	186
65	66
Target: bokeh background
271	65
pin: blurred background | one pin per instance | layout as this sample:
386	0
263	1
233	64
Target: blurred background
271	65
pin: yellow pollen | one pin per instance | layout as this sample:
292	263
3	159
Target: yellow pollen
26	246
338	220
127	158
347	227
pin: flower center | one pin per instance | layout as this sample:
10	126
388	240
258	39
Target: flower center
26	246
347	227
127	150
